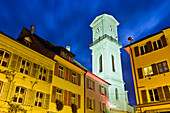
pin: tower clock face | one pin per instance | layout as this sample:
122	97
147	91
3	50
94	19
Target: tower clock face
98	29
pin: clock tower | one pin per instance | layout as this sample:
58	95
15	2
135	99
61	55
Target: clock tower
106	61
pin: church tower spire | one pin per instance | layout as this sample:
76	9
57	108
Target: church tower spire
106	61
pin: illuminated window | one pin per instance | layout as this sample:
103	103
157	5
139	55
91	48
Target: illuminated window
100	63
59	94
19	94
103	107
163	67
39	99
116	92
90	103
74	78
148	71
42	74
153	95
25	67
61	72
4	58
73	98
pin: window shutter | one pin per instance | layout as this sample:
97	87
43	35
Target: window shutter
56	68
160	93
136	49
35	70
47	101
65	97
11	92
140	73
53	97
79	79
5	91
70	75
105	91
149	46
79	101
50	77
30	97
87	83
93	86
94	105
15	62
164	42
155	72
99	88
69	98
144	96
166	91
67	71
100	107
87	102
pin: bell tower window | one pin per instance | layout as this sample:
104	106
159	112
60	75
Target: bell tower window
100	63
113	65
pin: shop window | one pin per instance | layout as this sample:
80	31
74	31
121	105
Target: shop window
4	58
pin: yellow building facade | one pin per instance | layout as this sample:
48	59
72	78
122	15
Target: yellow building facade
150	61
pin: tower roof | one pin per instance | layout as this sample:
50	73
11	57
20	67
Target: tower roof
103	16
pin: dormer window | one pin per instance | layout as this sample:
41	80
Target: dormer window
27	41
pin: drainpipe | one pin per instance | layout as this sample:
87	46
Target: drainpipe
85	91
135	77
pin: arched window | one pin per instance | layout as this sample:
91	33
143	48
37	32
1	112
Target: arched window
113	65
100	63
116	94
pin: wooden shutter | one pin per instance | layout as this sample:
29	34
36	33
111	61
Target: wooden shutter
149	46
93	86
104	90
164	42
87	83
56	68
69	98
144	96
53	96
99	88
30	97
79	79
79	101
70	75
50	77
47	101
154	69
67	71
94	105
166	91
65	97
5	91
160	93
136	49
140	73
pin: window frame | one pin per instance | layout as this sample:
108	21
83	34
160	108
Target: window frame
61	70
149	74
18	95
74	78
58	94
90	106
24	66
3	57
103	107
163	67
38	99
41	73
73	98
153	95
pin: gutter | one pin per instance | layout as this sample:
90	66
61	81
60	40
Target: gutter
85	91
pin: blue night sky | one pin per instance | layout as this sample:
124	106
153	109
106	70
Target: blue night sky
66	22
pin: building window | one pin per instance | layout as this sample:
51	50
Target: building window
100	63
74	78
159	44
113	66
102	90
163	67
25	67
4	58
69	58
19	94
59	94
1	85
73	98
148	71
146	49
61	72
116	92
90	103
91	84
155	45
39	99
103	107
43	74
153	95
142	50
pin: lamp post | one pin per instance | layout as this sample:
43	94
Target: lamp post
130	39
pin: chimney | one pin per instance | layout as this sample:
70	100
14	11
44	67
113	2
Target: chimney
32	29
68	48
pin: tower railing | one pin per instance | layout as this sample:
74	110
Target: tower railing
108	37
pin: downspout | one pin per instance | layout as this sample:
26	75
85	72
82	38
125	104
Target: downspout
85	91
135	77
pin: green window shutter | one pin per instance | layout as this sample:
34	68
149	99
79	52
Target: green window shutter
50	77
5	91
166	91
47	101
144	96
30	97
160	93
140	73
164	42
